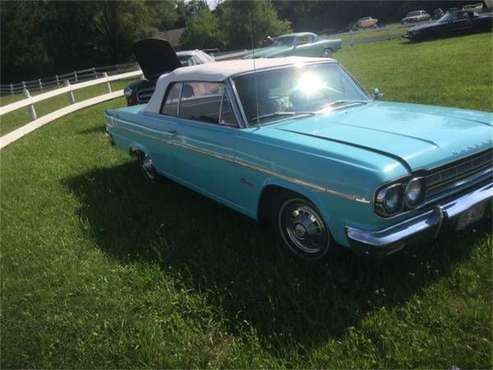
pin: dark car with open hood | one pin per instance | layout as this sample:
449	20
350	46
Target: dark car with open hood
454	22
155	57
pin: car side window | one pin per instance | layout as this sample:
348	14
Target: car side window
196	60
170	104
461	15
303	40
201	101
228	117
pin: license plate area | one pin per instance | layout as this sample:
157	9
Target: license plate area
471	216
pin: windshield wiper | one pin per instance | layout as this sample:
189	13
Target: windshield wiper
281	114
344	102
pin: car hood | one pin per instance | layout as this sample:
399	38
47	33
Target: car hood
155	56
267	52
418	136
425	26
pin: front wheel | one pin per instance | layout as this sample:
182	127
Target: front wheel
302	229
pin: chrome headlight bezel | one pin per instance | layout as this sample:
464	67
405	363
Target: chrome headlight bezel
383	197
404	186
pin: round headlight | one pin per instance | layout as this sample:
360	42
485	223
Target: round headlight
128	91
414	192
389	200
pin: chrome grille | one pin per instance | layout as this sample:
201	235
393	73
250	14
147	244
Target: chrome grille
459	173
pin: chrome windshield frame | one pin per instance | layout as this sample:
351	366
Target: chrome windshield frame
245	121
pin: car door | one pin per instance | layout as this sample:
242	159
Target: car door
206	134
462	23
304	47
160	130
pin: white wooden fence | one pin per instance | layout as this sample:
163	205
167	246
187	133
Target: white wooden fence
47	83
68	89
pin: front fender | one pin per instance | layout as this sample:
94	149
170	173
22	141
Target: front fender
312	195
336	212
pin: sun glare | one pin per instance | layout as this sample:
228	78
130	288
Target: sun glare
310	83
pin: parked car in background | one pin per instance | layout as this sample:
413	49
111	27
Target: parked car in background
296	142
366	22
416	16
155	57
454	22
478	7
194	57
438	13
298	44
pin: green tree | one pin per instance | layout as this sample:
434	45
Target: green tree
47	37
69	36
23	53
163	14
202	32
119	24
244	22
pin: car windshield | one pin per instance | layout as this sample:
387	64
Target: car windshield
284	41
415	13
447	17
271	95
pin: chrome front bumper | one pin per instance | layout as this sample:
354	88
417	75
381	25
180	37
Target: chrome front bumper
426	225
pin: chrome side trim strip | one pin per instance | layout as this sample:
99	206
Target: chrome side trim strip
266	171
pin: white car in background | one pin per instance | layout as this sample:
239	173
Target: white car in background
416	16
366	22
194	57
156	57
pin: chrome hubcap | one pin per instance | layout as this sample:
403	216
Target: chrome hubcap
303	227
148	168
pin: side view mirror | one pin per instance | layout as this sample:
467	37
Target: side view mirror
376	93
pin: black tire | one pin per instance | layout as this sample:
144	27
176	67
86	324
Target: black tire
148	170
301	227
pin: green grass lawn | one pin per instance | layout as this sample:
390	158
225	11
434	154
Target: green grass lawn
20	117
101	269
454	72
390	30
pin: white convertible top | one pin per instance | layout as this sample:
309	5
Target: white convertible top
217	72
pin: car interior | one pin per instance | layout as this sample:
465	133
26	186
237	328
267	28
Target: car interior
200	101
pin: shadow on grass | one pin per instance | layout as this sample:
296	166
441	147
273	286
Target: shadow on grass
237	265
95	129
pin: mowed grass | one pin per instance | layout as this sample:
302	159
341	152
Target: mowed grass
453	72
391	30
101	269
20	117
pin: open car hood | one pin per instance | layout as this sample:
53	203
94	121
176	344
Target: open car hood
155	56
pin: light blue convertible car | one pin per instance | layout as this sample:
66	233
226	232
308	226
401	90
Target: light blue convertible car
303	44
296	141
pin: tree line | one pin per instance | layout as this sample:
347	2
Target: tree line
42	38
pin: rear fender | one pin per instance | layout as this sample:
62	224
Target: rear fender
137	147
